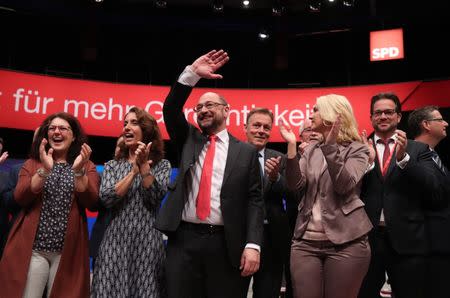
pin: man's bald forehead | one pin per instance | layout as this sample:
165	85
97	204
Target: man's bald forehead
211	96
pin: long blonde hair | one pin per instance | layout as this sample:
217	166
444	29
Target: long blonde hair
332	105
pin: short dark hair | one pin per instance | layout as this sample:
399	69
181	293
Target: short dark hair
264	111
150	133
1	141
386	95
79	136
416	117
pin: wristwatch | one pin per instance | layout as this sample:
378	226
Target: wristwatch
43	173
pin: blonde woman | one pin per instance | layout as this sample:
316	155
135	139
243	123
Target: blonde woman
330	253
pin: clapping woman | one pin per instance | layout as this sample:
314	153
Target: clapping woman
131	255
48	244
330	253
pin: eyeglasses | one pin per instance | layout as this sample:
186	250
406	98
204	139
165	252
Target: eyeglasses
436	119
257	126
62	128
208	105
388	113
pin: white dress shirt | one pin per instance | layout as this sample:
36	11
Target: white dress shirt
220	160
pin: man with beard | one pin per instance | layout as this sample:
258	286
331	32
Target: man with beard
395	192
427	126
214	213
276	245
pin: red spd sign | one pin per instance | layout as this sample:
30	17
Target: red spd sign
386	45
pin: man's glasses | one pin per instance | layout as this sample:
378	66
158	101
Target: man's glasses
388	113
208	105
436	119
62	128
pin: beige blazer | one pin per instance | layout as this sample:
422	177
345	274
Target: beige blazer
332	174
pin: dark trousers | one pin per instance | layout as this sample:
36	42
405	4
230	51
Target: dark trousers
267	280
406	273
321	269
438	283
197	264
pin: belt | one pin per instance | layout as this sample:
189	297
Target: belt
202	228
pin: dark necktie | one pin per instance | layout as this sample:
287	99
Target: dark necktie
261	162
438	161
204	191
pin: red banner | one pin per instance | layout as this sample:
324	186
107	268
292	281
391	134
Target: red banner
26	99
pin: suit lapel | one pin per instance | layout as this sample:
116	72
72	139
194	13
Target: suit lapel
267	154
198	147
320	159
199	142
377	161
233	152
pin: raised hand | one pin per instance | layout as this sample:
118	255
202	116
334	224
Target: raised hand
272	168
289	136
334	132
205	66
369	144
402	142
142	152
46	157
287	133
3	157
82	158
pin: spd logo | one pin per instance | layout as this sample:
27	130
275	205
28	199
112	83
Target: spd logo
386	45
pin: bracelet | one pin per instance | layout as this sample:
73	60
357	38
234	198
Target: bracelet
146	174
80	173
42	173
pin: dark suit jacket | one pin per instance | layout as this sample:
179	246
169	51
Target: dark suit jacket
98	230
336	182
102	221
8	205
241	194
402	194
273	194
438	217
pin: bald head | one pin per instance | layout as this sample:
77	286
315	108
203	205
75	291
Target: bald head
212	96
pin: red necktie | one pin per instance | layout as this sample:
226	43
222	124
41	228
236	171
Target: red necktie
204	191
387	151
